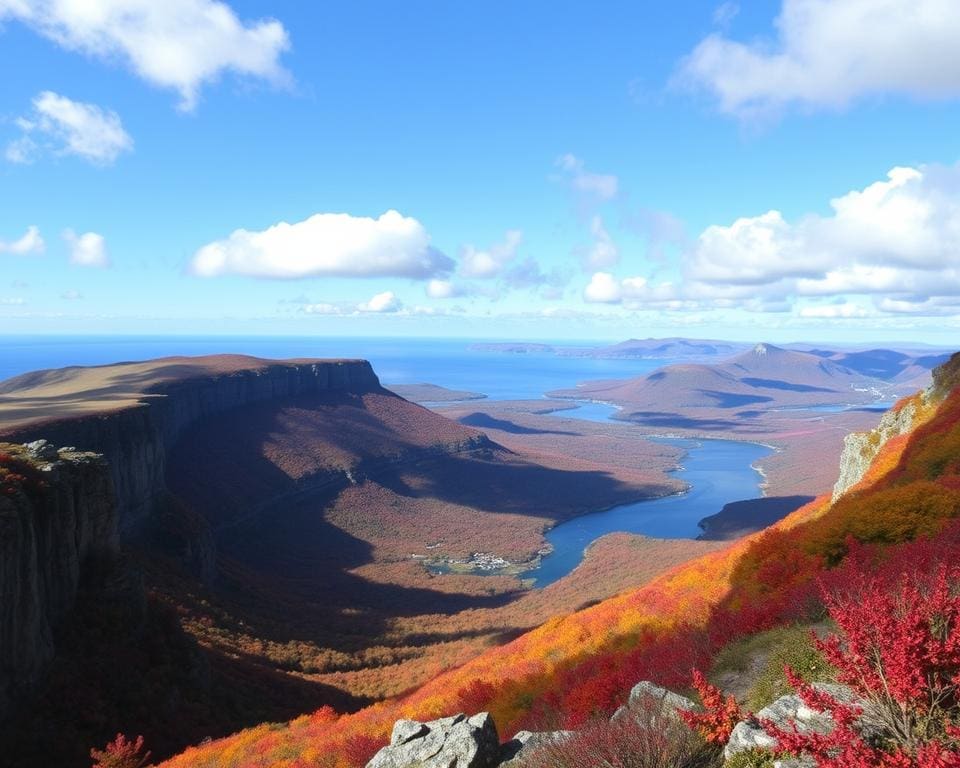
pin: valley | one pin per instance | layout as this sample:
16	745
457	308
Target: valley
301	529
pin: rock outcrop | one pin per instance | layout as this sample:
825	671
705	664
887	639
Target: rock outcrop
136	440
860	448
526	743
47	536
787	712
451	742
651	699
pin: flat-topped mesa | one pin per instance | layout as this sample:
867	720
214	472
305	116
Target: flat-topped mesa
134	413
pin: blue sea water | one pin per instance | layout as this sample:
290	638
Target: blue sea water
448	363
718	471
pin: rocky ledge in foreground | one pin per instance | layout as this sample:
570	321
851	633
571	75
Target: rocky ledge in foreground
472	742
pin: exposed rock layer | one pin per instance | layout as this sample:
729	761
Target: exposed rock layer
46	538
136	440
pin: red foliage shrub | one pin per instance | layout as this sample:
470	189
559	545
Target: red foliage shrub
721	713
475	697
899	650
359	749
17	474
121	753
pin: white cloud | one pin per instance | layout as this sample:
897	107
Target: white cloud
487	263
897	240
603	252
603	289
382	302
328	245
30	242
178	44
322	309
15	301
87	250
828	53
71	295
67	127
600	187
898	235
445	289
846	309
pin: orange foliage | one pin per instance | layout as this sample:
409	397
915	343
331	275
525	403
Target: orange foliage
685	613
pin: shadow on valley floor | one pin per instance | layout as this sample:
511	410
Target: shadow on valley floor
675	420
290	553
485	421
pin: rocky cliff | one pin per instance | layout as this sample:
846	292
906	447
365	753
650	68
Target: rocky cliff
50	529
860	448
136	439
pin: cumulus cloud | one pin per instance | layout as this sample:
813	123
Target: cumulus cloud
66	127
603	288
177	44
385	302
900	234
87	250
828	53
71	295
596	187
490	262
29	242
896	240
327	245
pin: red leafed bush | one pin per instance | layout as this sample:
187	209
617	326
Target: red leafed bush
360	749
721	715
121	753
17	474
899	650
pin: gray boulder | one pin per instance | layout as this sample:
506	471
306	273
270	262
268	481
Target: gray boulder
526	743
42	450
450	742
652	699
786	712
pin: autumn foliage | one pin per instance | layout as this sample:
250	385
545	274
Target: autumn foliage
721	714
899	650
18	474
574	669
121	753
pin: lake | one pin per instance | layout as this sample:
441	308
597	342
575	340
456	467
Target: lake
717	471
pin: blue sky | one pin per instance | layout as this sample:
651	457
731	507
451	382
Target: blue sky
499	169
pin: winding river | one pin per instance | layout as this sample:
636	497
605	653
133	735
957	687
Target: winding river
717	471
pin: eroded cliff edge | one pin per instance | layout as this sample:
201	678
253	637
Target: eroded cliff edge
136	439
861	448
52	525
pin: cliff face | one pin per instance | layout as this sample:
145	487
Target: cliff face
861	448
136	440
46	538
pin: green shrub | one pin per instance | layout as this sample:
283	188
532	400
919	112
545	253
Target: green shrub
797	651
751	758
752	668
